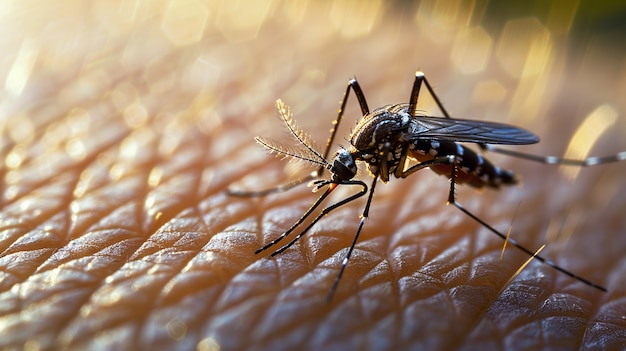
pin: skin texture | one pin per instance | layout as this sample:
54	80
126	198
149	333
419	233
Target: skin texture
116	232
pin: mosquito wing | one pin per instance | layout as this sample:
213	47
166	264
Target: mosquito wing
469	131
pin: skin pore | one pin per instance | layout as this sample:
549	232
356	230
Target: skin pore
122	129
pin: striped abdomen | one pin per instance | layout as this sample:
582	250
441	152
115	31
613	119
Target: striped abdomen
473	169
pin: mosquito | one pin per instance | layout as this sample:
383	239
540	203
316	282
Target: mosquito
386	140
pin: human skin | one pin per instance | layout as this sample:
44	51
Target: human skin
116	231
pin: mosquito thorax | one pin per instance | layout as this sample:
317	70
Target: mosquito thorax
381	125
343	165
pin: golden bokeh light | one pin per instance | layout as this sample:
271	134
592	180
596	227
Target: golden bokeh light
471	50
355	18
587	134
184	21
240	20
22	67
561	16
524	48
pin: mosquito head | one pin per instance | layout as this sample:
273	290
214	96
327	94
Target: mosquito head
343	166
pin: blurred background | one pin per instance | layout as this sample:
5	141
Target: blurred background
123	122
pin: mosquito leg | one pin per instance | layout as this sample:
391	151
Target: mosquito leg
415	92
553	160
278	189
346	259
302	218
383	165
442	160
452	200
417	84
322	214
353	85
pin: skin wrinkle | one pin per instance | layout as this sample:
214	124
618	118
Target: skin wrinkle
199	246
166	280
160	270
22	243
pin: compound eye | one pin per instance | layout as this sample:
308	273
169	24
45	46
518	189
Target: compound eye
344	167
